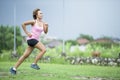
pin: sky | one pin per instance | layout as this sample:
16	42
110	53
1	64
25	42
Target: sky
67	19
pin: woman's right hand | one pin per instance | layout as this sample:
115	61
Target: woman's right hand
29	34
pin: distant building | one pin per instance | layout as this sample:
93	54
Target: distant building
82	41
54	43
103	40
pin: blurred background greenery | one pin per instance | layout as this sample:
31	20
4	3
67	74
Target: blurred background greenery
83	47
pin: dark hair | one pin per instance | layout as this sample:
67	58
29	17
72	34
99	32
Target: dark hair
35	13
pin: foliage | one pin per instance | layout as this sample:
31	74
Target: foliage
73	42
21	49
76	52
7	37
88	37
107	50
6	56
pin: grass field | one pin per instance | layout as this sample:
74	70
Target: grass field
59	72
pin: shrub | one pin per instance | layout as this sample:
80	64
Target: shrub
5	55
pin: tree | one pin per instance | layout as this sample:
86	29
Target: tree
7	37
73	42
88	37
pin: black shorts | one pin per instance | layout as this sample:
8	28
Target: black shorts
32	42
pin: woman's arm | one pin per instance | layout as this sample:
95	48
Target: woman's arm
30	22
45	27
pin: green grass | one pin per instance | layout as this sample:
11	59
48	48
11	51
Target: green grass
59	72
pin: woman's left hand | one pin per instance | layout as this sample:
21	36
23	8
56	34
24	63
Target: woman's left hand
45	27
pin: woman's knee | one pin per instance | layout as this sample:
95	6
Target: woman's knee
44	50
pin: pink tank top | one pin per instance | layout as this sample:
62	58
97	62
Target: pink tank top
35	31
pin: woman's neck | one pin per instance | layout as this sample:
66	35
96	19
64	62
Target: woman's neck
40	20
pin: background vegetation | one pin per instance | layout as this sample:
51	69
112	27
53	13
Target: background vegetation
53	55
7	37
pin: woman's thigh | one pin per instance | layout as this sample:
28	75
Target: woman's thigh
40	46
28	50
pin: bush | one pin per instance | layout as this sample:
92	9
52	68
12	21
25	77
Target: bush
5	55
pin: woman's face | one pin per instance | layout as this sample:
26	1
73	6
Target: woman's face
39	14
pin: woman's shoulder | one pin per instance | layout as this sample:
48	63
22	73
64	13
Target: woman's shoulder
32	22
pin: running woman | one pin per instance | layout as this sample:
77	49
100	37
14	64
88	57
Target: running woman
38	26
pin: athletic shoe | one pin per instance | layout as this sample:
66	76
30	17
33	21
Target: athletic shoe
35	66
12	71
